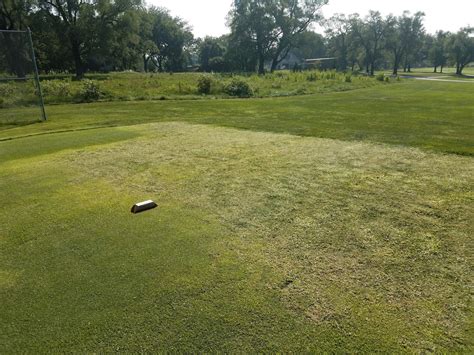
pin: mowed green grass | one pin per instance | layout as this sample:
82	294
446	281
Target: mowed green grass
430	115
269	236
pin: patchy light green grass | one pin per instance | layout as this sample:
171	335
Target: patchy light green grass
261	242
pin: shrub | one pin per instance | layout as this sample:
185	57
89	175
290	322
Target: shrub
90	91
204	85
348	79
6	89
239	88
387	79
56	88
380	77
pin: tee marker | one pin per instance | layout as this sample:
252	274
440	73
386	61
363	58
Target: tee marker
143	206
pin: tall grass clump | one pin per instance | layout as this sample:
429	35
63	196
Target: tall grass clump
90	91
239	88
204	84
380	77
56	88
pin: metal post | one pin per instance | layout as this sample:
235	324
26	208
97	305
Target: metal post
37	79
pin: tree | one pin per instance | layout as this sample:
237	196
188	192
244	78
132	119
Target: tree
461	48
309	45
168	41
371	34
80	23
210	49
404	36
272	26
437	53
292	18
253	26
338	33
14	16
241	52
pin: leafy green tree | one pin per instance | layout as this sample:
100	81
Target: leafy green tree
270	27
404	36
292	18
310	45
339	37
83	24
461	48
167	42
241	52
14	15
254	28
371	33
51	53
209	49
438	52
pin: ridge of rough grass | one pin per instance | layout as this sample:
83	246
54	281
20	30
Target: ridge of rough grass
431	115
183	86
338	246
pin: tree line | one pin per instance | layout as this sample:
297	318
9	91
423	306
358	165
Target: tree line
116	35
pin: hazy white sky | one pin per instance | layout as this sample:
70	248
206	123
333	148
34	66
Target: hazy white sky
208	17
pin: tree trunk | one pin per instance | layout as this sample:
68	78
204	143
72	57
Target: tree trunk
441	69
274	65
261	64
435	69
160	64
396	64
276	59
76	54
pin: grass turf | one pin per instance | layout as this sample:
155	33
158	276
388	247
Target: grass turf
431	115
263	241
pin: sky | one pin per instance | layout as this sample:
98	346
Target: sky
208	17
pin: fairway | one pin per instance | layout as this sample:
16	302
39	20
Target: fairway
339	222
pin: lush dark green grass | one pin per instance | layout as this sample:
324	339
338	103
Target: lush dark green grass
267	238
431	115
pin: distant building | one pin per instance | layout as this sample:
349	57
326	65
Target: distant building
294	60
291	61
321	63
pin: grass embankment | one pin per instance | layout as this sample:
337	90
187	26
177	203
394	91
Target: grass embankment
137	86
262	242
